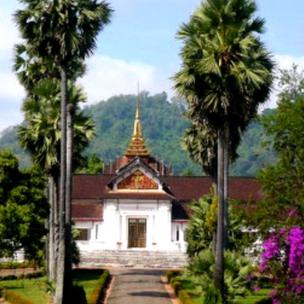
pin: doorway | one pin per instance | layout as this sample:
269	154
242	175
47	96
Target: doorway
137	232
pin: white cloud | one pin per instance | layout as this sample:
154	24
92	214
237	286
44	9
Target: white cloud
108	76
282	61
11	92
10	87
286	61
8	30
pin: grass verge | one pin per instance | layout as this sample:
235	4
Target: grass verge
33	290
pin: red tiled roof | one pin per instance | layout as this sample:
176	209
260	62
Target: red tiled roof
90	186
87	211
186	188
90	190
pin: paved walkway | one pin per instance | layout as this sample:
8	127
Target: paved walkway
132	286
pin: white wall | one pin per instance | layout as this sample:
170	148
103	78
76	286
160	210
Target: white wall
112	233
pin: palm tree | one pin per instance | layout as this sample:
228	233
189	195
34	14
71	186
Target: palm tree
226	74
40	135
62	30
32	72
200	140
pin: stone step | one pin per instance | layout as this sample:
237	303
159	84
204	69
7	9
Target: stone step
136	259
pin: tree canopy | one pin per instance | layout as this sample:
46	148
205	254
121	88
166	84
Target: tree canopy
23	209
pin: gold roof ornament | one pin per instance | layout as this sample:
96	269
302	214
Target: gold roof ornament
137	145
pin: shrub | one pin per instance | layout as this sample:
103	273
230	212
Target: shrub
176	285
17	265
237	271
212	296
175	281
282	259
184	297
99	292
15	298
170	274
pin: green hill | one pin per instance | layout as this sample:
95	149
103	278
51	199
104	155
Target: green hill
163	126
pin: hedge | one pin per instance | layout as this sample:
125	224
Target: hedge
98	293
17	265
15	298
182	294
31	275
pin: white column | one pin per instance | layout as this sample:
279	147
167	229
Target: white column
164	226
111	224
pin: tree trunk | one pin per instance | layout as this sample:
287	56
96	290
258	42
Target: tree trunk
56	226
54	229
214	185
219	255
51	231
226	176
60	281
68	237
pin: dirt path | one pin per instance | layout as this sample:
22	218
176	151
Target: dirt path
131	286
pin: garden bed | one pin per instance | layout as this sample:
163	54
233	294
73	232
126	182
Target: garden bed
187	292
90	282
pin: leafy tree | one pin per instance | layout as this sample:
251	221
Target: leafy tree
201	229
282	181
63	30
93	165
226	74
201	142
23	209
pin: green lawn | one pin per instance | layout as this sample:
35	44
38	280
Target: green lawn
32	289
35	289
87	279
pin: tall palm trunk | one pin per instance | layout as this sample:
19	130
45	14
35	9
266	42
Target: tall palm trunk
226	176
214	185
51	231
222	221
54	228
60	281
68	237
219	254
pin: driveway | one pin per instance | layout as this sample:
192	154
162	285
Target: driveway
133	286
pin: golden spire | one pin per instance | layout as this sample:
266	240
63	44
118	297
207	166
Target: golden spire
137	145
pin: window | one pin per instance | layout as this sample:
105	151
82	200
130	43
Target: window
96	231
83	234
177	233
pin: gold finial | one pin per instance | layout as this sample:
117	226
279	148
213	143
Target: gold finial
137	145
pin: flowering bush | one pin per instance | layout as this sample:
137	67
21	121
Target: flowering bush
283	260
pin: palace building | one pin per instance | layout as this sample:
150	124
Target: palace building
136	204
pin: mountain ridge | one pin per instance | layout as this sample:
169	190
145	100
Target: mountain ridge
163	126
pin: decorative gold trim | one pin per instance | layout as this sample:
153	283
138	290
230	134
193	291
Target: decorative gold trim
137	145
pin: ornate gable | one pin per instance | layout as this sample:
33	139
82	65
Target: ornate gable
136	175
137	181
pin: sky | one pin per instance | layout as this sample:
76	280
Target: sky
140	45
